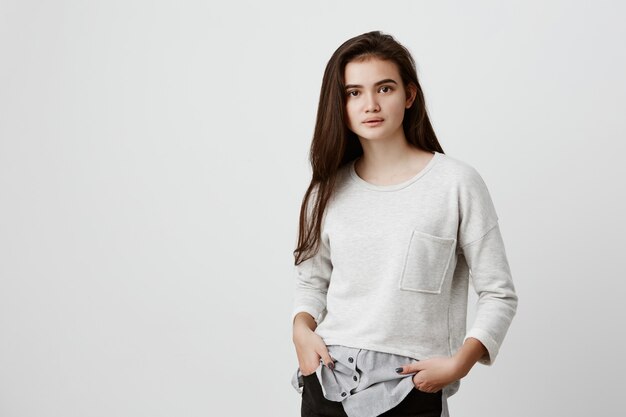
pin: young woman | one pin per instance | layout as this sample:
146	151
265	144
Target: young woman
390	228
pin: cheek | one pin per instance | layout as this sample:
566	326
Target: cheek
398	106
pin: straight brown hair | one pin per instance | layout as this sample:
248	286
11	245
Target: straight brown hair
334	145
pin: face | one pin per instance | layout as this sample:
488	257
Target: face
374	91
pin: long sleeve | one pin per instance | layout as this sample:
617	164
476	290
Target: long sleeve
497	299
312	278
482	245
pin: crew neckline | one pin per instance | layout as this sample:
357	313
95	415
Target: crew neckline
398	186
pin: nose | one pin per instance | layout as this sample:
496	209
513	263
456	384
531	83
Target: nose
372	104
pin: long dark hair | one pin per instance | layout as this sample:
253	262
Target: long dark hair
334	145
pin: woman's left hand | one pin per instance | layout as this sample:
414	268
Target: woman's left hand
434	373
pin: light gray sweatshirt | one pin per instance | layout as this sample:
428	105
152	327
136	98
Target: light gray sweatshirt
395	262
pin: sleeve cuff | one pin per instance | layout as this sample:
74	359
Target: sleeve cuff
489	343
307	309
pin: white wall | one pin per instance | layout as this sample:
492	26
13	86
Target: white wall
153	155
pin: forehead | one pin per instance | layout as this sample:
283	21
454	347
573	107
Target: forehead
370	71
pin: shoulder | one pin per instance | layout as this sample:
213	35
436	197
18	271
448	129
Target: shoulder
459	171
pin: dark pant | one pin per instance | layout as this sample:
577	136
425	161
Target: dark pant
416	404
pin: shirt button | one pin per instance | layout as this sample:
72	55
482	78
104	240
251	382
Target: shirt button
350	359
354	377
343	394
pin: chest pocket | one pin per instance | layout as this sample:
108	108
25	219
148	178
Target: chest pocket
426	262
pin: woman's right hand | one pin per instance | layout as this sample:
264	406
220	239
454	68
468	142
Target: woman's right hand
310	347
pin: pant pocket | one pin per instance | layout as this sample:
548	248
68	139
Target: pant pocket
426	262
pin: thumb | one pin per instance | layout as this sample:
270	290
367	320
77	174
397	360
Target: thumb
327	359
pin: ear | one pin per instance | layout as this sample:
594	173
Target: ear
411	93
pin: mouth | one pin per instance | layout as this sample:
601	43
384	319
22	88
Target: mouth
373	122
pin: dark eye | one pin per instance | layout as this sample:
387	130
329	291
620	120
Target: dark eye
385	87
353	91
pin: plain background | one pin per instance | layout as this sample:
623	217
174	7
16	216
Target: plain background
153	157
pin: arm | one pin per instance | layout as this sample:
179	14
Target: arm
311	286
435	373
467	356
304	320
312	282
497	299
482	247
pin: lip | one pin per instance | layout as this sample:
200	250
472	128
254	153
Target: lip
373	120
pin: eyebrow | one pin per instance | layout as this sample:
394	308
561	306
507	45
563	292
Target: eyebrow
385	81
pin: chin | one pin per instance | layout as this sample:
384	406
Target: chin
370	136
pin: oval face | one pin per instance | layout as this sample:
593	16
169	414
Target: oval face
375	99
